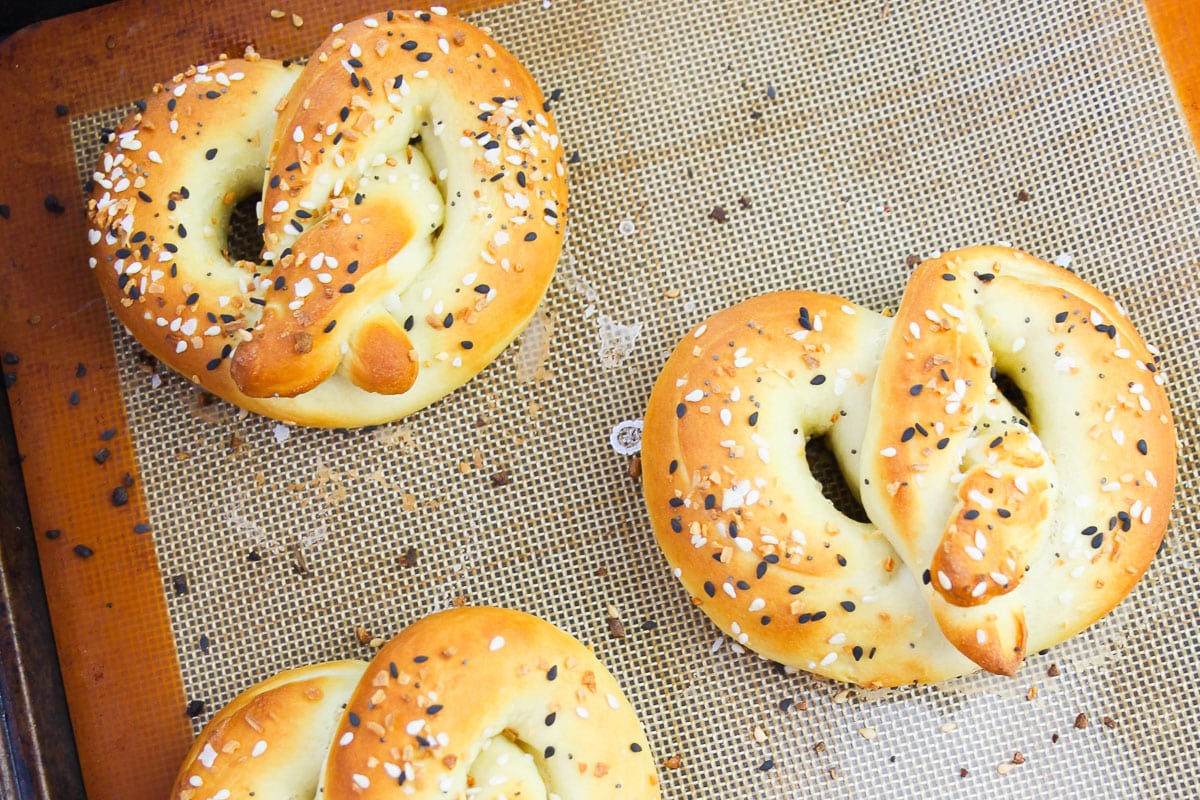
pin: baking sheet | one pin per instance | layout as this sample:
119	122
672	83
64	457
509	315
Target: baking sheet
730	150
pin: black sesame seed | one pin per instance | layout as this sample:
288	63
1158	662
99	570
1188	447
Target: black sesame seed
753	419
410	44
433	709
946	276
448	321
971	514
195	708
393	670
210	154
677	524
52	205
1061	316
213	364
141	527
925	578
1004	513
761	570
550	718
766	766
423	57
552	673
120	496
941	445
83	551
847	605
795	589
857	652
635	747
1142	447
467	344
347	288
5	211
841	559
710	589
53	533
1097	541
548	752
908	434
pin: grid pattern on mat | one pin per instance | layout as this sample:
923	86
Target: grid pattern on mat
727	151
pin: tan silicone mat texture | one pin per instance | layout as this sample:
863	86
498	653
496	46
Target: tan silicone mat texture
721	150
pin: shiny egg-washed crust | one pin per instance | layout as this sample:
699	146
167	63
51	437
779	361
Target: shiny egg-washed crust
992	533
472	702
413	208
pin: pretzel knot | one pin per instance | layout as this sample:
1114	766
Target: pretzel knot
999	521
483	703
412	211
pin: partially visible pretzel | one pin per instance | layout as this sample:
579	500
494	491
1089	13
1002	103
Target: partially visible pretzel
413	208
991	533
482	703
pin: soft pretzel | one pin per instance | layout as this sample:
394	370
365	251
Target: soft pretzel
483	703
413	207
993	532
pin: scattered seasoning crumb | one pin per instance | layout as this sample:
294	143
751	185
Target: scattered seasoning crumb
52	205
1081	721
626	227
120	496
83	551
1022	196
299	564
253	556
204	643
616	628
180	584
912	260
1018	758
53	533
672	762
1054	738
195	708
80	370
1031	693
759	734
719	214
458	601
1053	671
61	110
360	633
1004	768
34	319
648	625
949	727
819	747
409	557
962	772
634	467
500	479
744	202
1109	722
868	733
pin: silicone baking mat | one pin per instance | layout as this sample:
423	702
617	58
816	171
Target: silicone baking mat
716	151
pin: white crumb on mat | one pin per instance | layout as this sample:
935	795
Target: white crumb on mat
626	437
534	347
616	340
282	434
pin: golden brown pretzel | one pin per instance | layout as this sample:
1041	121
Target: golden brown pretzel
991	533
413	208
473	702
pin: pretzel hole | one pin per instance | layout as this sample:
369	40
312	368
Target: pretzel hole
1012	393
245	234
825	470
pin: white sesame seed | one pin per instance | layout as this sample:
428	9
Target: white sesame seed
346	739
496	643
944	580
414	727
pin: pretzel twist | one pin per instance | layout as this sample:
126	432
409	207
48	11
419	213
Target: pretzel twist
991	531
483	703
412	211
